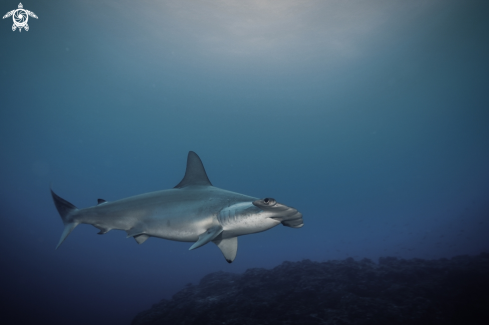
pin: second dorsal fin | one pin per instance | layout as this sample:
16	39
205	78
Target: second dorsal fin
195	173
100	201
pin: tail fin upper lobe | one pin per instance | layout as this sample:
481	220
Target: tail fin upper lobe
66	211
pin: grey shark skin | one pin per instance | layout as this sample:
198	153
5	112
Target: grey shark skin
192	211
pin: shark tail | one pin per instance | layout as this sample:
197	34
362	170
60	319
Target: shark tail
66	211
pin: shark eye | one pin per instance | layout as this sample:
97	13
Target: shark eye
269	201
265	203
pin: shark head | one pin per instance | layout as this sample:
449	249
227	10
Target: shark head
288	216
257	216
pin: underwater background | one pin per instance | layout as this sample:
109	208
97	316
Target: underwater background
369	117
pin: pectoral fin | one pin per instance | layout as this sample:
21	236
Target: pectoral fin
207	236
228	246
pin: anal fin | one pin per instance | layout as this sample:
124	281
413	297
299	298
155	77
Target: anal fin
228	247
207	236
103	231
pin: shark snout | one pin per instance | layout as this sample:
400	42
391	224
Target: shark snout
288	216
294	220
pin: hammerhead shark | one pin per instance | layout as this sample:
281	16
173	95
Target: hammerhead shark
193	211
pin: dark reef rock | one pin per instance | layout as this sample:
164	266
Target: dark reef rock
394	291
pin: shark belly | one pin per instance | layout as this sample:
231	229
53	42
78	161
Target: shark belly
179	223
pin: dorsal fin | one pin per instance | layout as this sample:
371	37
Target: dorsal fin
195	173
100	201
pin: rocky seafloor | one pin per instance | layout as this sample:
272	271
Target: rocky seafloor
392	291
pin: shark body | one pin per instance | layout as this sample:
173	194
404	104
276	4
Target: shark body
193	211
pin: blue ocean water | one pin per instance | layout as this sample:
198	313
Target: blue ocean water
369	117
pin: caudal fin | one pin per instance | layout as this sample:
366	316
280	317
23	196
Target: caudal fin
66	211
